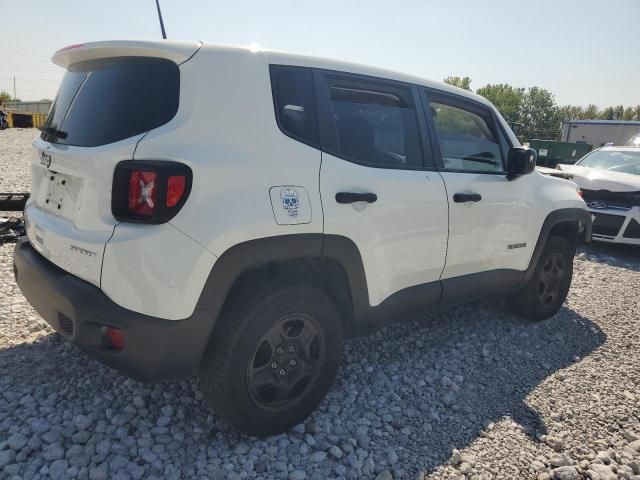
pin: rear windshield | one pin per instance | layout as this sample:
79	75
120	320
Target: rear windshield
106	100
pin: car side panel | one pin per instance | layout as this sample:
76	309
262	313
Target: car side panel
155	270
230	138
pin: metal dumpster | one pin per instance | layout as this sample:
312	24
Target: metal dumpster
551	153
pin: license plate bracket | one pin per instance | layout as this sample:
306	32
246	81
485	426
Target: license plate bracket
55	191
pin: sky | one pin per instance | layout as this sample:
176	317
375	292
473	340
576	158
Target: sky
583	51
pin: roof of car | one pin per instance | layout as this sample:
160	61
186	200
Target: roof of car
180	51
288	58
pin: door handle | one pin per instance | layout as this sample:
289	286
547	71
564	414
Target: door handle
466	197
352	197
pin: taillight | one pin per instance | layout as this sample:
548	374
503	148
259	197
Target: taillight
142	193
176	186
148	191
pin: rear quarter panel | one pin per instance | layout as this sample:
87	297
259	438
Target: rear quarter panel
226	131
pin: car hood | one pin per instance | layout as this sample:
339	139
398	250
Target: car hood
554	172
594	179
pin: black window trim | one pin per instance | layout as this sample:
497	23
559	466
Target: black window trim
473	106
420	95
272	68
326	127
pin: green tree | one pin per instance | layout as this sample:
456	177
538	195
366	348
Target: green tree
608	113
507	99
4	96
570	112
464	82
629	113
538	113
591	112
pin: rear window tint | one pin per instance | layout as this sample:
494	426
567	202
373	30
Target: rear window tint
107	100
375	127
294	102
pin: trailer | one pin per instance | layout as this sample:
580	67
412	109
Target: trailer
599	132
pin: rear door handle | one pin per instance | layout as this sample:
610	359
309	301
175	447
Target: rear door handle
352	197
466	197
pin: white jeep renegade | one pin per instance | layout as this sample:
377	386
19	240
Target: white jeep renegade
238	213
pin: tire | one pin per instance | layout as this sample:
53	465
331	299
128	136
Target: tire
545	292
254	385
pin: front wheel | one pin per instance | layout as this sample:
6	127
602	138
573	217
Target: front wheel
545	292
272	359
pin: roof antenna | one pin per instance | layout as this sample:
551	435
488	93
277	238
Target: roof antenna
164	34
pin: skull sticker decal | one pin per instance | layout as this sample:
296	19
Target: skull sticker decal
290	201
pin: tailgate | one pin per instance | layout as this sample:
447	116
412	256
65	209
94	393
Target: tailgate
112	94
68	217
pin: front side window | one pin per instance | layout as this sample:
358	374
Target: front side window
294	102
375	126
467	141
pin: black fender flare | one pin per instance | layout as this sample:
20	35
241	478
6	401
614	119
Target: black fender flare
259	252
573	215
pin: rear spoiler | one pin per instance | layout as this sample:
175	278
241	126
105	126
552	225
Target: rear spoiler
177	52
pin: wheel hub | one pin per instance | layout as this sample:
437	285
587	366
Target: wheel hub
285	362
551	278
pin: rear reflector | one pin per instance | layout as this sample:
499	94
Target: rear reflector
176	185
142	193
114	337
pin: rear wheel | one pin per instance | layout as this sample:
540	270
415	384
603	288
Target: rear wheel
545	292
272	359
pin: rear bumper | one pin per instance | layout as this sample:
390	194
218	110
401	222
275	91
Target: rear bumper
155	348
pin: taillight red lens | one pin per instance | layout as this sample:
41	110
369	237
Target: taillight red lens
142	192
115	337
149	191
176	185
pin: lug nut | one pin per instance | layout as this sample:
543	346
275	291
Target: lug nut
292	349
280	351
283	372
274	365
293	363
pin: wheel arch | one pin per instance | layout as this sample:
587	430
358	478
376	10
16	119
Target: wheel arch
569	223
332	263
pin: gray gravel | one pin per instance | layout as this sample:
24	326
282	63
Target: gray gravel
471	392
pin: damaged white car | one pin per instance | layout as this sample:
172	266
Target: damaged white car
609	178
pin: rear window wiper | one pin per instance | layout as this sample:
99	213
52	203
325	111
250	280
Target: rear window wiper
56	132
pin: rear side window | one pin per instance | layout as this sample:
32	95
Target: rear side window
376	124
107	100
294	102
467	141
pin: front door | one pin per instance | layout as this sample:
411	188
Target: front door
490	228
378	185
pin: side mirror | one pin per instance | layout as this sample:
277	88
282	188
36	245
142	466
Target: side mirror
521	161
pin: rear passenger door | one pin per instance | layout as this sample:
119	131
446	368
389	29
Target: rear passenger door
489	216
377	182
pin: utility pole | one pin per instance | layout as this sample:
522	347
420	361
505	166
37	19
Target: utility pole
14	88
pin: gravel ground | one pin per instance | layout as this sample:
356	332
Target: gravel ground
471	392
